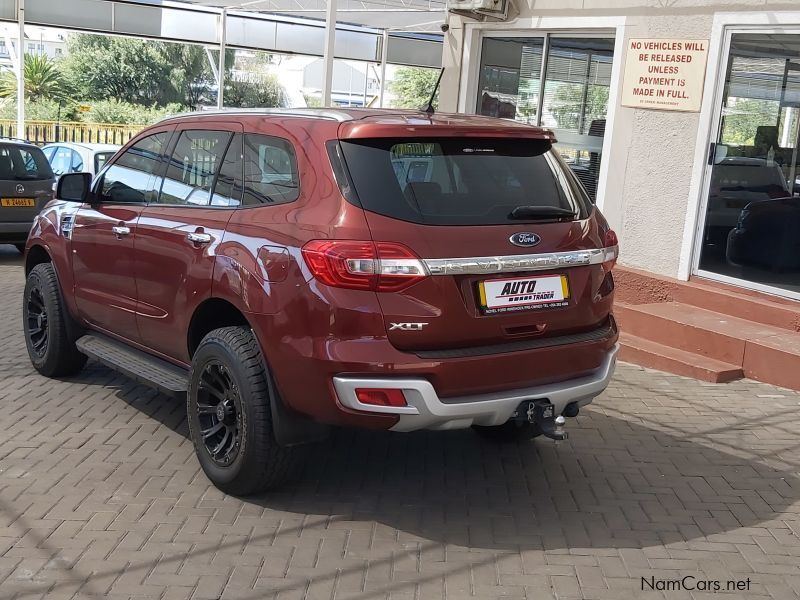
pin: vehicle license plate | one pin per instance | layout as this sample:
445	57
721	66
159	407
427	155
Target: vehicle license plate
523	293
21	202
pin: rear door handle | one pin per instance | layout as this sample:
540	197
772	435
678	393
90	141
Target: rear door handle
198	238
120	230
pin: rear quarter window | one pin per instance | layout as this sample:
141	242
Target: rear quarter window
460	181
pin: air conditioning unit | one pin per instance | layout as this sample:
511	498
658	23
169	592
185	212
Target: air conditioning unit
480	9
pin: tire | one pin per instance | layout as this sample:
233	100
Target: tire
230	395
510	431
20	248
45	324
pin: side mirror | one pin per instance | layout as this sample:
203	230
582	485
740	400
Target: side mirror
74	187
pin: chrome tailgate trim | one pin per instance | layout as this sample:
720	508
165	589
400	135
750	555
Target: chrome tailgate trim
519	262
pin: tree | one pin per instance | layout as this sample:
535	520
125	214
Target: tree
125	69
254	91
138	71
567	105
743	117
412	87
43	80
190	74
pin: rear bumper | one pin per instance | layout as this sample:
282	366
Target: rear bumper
14	231
426	410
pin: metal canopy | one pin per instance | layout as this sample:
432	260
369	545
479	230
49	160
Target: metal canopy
198	22
352	29
396	15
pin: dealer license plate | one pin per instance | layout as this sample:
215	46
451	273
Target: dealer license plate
23	202
523	293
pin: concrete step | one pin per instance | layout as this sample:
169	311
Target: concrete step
653	355
743	304
692	329
640	287
763	352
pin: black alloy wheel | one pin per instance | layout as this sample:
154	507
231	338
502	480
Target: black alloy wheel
36	321
220	413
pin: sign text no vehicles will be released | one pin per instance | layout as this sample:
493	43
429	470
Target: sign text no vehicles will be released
665	74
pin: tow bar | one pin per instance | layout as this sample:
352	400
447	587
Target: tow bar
542	414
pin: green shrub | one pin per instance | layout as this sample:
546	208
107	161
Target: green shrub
39	110
125	113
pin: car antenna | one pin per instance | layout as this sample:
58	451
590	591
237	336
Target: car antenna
428	108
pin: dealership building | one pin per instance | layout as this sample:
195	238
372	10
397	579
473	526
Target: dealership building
682	119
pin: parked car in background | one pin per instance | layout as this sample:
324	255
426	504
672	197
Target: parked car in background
737	182
26	185
288	271
767	235
72	157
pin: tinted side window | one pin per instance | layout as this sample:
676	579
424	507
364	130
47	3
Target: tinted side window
100	160
229	187
270	171
133	177
60	161
76	164
193	167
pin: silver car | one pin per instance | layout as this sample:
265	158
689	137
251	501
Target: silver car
75	157
26	185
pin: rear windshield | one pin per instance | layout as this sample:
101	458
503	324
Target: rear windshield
22	163
460	181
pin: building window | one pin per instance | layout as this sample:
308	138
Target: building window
752	216
572	99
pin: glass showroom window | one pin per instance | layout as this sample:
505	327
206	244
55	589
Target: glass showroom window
752	221
556	82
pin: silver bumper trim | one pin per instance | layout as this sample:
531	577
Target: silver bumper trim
426	410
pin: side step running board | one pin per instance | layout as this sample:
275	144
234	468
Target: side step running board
144	368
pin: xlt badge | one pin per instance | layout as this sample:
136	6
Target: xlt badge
407	326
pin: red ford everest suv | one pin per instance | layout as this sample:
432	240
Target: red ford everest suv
289	271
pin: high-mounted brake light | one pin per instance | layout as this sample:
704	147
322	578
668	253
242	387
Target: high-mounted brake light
611	249
363	265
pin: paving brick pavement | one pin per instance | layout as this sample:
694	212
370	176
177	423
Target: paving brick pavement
663	477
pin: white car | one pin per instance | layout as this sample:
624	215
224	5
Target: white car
73	157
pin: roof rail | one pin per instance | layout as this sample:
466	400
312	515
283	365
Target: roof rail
15	139
311	113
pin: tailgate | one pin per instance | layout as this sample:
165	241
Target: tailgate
26	183
451	305
512	244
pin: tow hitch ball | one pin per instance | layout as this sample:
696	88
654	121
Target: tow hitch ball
542	414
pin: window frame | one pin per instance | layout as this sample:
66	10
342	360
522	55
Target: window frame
196	126
294	156
96	196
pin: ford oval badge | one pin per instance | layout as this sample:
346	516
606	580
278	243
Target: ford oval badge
524	239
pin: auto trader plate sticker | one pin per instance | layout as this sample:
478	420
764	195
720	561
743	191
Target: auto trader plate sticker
523	293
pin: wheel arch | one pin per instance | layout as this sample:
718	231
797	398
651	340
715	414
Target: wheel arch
209	315
36	255
290	428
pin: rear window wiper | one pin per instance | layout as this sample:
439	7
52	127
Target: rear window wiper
541	213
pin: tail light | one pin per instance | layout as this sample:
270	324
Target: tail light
381	397
611	249
363	265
